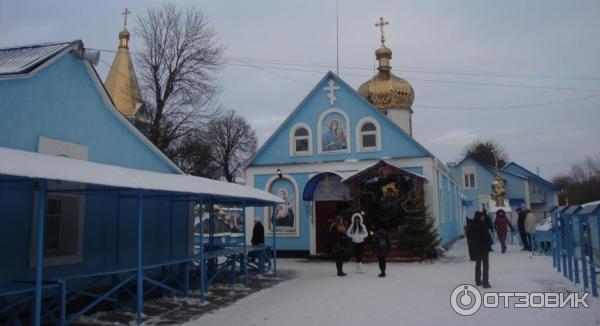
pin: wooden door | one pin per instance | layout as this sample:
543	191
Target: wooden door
325	212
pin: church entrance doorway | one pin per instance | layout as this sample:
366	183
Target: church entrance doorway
329	197
325	213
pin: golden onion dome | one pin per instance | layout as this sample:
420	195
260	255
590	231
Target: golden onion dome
385	90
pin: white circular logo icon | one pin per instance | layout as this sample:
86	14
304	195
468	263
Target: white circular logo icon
465	300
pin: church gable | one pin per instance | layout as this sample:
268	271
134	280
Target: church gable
334	123
66	102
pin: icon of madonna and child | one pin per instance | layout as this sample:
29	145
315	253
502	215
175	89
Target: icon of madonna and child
334	135
284	215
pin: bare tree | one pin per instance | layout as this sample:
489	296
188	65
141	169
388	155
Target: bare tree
194	155
233	141
485	152
582	185
177	69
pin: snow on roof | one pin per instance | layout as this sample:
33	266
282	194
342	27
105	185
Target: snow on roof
41	166
591	203
22	59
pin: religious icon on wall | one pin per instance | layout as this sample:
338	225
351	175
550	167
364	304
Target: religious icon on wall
334	133
285	213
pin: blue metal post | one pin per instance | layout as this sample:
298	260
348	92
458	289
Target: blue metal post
554	243
39	261
245	258
570	249
170	227
274	241
140	274
118	229
592	262
63	302
201	251
564	246
584	270
558	244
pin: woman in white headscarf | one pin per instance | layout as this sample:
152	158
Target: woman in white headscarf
358	233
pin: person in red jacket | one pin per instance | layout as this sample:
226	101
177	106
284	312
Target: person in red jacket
502	224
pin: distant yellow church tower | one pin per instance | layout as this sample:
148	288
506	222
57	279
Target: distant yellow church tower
122	85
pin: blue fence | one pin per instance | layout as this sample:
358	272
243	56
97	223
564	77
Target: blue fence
576	245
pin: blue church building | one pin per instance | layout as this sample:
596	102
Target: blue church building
523	188
334	137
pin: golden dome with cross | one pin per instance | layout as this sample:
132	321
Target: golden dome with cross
385	90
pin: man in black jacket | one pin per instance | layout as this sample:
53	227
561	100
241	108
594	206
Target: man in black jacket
258	234
521	225
481	243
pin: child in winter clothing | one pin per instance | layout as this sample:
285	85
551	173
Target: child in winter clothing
358	233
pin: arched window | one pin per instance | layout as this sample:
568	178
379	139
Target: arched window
300	140
368	134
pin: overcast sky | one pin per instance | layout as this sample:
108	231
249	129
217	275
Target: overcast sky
445	49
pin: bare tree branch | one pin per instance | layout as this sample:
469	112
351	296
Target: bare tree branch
177	70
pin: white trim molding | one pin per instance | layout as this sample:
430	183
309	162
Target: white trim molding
359	135
293	151
347	131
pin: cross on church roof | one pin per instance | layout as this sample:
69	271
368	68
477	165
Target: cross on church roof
125	13
330	89
381	24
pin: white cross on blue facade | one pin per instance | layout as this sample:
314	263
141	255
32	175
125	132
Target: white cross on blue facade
331	91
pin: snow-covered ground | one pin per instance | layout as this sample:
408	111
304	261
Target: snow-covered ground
412	294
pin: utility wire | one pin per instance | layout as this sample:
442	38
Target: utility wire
438	80
434	107
424	70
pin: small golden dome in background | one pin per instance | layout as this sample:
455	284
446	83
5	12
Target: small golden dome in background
385	90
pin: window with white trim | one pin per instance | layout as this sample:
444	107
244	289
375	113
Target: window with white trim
368	135
469	177
300	141
62	225
65	212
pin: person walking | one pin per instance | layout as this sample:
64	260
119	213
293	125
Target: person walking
338	236
502	224
521	226
530	228
358	233
382	248
481	240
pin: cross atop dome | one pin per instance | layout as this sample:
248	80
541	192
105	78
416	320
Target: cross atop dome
381	24
125	13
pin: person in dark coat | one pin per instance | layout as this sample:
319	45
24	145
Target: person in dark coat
338	236
469	243
521	226
482	245
502	224
258	233
382	248
489	224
